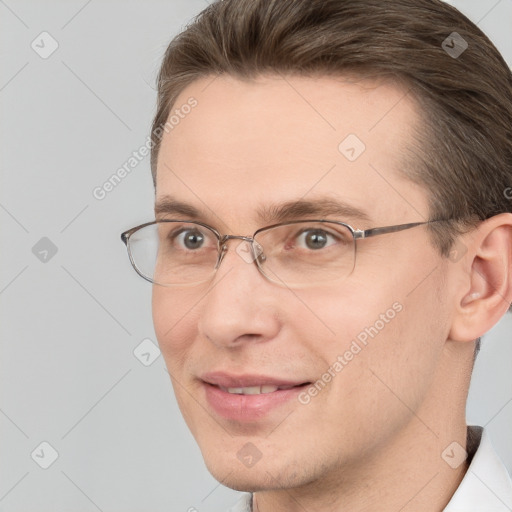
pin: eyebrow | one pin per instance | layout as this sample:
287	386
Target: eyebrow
273	213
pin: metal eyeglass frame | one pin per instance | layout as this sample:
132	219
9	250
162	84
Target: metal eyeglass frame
357	234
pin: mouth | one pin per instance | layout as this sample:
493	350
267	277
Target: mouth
248	398
257	390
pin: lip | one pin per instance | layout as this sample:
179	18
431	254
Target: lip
247	408
227	380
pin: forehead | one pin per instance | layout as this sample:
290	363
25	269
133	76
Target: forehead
276	139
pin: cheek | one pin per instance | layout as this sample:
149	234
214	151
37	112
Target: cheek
406	352
175	321
387	329
340	314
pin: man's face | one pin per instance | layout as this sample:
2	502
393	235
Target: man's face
378	333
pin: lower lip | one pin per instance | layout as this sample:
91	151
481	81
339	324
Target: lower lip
248	408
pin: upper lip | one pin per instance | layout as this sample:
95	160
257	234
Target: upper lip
227	380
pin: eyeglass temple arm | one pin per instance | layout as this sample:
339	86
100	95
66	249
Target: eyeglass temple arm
360	233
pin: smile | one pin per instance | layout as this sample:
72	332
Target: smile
254	390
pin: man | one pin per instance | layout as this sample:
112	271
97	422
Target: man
323	363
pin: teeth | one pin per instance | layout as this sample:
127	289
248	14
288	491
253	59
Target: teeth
253	390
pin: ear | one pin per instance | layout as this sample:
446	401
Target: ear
485	291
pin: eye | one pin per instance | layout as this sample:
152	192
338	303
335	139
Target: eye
190	238
316	238
187	238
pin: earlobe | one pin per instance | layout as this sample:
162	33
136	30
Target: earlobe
488	279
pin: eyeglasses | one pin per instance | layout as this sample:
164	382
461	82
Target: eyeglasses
292	254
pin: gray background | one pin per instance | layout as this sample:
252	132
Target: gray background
70	323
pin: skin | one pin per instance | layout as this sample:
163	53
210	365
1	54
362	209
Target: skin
372	438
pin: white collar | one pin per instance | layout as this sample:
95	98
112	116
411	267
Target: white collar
486	486
243	505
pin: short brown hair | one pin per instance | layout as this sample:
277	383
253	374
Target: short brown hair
463	155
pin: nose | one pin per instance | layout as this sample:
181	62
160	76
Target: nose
240	305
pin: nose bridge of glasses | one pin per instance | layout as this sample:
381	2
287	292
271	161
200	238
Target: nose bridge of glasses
247	255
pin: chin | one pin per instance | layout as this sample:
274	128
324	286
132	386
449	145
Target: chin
262	476
245	480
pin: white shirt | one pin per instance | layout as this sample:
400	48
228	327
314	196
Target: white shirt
486	486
